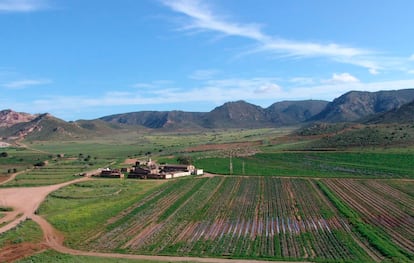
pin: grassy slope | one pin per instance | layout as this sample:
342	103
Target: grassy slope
28	231
344	136
19	159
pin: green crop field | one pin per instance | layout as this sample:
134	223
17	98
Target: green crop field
313	164
84	214
238	217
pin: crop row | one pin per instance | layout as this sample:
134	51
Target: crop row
125	228
247	217
52	173
378	204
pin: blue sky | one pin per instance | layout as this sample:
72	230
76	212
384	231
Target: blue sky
84	59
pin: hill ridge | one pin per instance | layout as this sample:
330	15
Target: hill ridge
353	106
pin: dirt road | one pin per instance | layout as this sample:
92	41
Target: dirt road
25	201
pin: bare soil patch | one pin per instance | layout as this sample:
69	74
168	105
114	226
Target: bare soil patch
18	251
130	161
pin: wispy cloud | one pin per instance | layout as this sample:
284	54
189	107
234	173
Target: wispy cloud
148	86
203	74
22	5
26	83
269	88
202	17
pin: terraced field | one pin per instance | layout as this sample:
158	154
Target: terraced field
53	173
238	217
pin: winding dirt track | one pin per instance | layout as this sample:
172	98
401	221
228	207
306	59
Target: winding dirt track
26	200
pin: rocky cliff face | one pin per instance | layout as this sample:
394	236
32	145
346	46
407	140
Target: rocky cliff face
404	114
9	118
355	105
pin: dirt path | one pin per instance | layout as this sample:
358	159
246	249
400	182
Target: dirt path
25	201
12	176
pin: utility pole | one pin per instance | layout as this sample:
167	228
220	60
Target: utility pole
231	165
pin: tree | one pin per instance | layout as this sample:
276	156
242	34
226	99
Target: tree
4	154
184	160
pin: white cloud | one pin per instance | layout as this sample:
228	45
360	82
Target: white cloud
373	71
21	84
411	57
22	5
269	88
343	78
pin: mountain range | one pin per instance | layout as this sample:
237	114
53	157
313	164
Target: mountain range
354	106
238	114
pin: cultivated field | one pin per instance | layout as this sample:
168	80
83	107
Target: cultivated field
55	172
388	211
278	202
238	217
315	164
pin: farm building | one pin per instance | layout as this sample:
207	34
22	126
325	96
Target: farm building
111	173
152	170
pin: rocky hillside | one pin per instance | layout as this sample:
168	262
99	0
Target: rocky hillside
156	119
294	112
47	127
43	127
355	105
237	114
404	114
9	118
